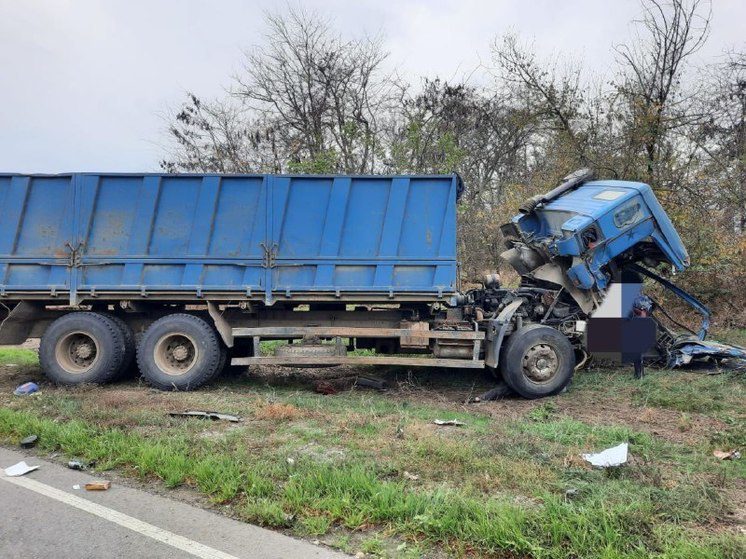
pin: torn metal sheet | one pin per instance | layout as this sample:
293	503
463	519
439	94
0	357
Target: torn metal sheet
207	415
685	351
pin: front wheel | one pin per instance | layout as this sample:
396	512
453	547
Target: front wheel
179	352
537	361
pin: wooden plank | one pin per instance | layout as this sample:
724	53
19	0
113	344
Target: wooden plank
345	332
383	360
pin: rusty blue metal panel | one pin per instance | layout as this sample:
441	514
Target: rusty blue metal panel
274	236
340	234
35	230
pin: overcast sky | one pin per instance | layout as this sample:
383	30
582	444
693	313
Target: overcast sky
84	84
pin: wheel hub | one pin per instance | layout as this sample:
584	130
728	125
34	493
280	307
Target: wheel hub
180	353
540	363
84	351
175	354
77	352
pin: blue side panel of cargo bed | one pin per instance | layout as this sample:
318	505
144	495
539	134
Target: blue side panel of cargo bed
36	223
344	234
171	234
244	236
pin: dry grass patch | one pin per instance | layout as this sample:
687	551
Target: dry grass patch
279	412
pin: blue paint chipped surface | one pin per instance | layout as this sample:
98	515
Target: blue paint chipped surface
268	235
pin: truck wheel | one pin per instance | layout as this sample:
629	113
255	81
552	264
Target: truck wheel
179	352
223	360
537	361
82	347
129	345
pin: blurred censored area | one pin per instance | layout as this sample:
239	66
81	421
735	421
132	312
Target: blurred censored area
621	339
621	329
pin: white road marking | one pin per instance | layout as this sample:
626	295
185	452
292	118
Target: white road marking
174	540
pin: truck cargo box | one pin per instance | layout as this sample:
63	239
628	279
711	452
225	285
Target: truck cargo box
87	236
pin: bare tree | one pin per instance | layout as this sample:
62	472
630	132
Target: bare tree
457	127
220	136
667	34
551	93
722	136
327	92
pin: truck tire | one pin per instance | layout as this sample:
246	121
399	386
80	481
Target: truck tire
537	361
223	364
82	347
129	346
179	352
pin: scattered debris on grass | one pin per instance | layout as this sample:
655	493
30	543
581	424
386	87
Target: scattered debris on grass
29	442
80	465
97	485
500	391
370	382
571	493
688	350
324	387
614	456
409	476
727	455
26	388
19	469
215	416
454	422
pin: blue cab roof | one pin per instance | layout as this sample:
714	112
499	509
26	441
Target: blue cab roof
596	198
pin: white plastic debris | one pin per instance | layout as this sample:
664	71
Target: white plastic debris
727	455
454	422
19	469
614	456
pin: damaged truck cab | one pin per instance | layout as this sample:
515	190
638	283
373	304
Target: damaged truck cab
572	248
591	229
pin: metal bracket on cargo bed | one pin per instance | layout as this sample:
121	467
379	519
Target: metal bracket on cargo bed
75	257
221	324
269	258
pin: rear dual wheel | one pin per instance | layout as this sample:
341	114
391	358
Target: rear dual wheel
84	347
180	352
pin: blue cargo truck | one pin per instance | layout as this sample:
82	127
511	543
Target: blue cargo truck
177	274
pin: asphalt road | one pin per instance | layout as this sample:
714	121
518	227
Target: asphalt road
42	516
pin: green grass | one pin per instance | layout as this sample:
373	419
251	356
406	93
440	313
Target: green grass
735	336
267	348
18	357
677	389
355	495
368	471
